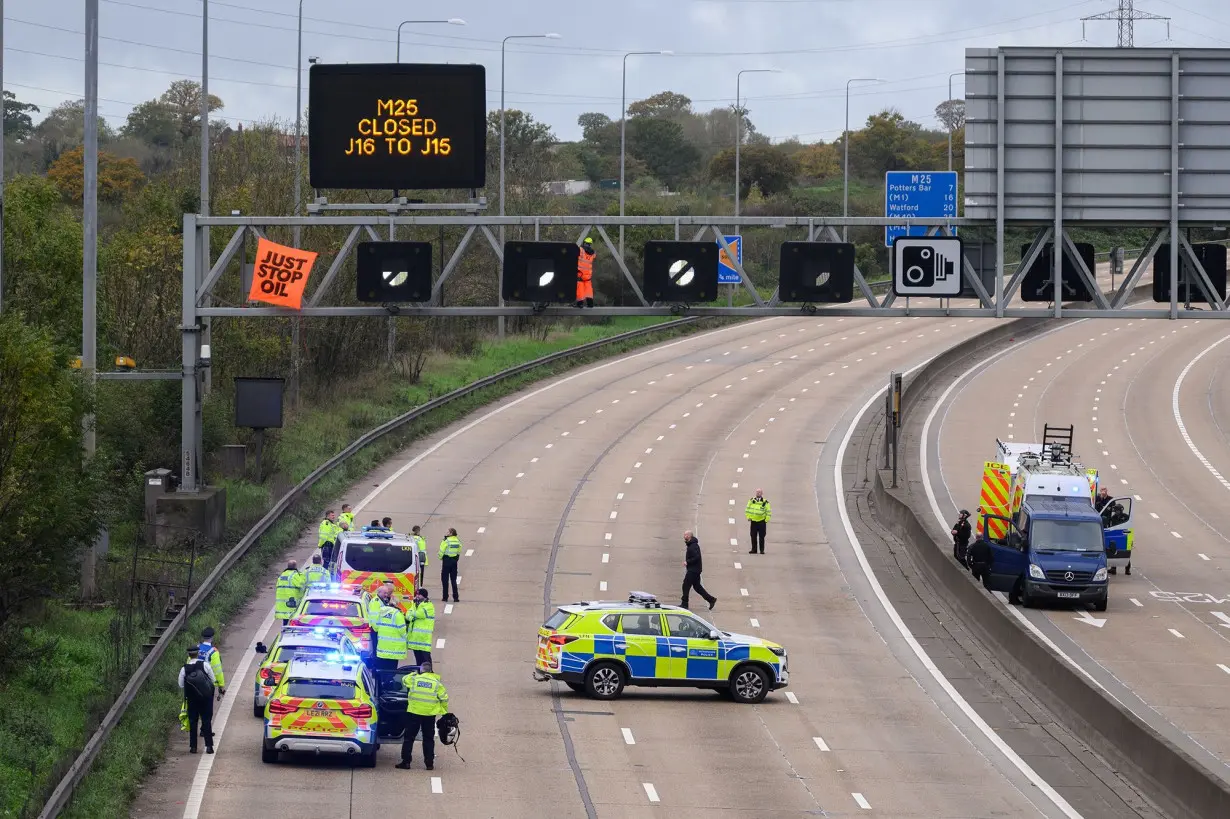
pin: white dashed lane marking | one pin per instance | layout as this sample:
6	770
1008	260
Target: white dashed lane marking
482	529
862	801
755	623
793	699
440	642
628	738
743	592
606	557
1177	634
651	791
602	585
738	565
820	743
469	553
437	785
492	510
448	608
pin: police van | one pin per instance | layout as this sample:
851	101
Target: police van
370	557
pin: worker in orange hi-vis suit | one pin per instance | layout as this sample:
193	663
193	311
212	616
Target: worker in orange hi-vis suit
585	274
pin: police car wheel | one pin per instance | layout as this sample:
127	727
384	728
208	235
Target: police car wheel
258	710
749	684
368	760
269	754
604	681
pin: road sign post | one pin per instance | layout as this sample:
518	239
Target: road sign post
920	194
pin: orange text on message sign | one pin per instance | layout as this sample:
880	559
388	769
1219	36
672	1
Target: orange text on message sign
281	274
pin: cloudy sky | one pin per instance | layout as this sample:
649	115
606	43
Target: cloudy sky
913	45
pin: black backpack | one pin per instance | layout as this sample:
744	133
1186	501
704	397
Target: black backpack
197	686
449	728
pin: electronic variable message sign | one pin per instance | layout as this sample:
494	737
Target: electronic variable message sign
412	126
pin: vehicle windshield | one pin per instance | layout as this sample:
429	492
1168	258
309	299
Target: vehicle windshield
1066	536
320	689
556	620
334	608
393	558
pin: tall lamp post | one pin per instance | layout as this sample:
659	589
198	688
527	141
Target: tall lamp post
950	76
548	36
739	121
623	131
845	138
452	21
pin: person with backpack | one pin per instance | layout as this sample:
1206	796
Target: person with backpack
196	679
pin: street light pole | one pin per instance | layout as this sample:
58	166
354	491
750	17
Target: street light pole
452	21
845	138
548	36
623	133
950	76
739	122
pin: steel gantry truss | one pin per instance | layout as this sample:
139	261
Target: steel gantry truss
202	274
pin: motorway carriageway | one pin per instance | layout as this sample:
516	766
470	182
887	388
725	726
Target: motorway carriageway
1150	400
581	489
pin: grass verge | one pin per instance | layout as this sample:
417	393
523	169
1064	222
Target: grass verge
138	743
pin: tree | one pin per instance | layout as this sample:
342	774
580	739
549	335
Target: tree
665	105
49	496
761	166
17	122
592	125
951	113
819	161
661	145
153	122
117	177
890	142
183	101
42	258
64	128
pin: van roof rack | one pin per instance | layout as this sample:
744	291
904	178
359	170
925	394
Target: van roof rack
644	598
1057	441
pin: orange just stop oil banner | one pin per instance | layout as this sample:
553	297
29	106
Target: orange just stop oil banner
280	274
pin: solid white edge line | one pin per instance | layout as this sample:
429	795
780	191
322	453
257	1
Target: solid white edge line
1178	416
196	792
973	716
201	779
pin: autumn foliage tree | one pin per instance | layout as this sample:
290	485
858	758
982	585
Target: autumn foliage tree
117	176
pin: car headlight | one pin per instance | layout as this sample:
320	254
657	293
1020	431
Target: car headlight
1035	571
1099	575
778	650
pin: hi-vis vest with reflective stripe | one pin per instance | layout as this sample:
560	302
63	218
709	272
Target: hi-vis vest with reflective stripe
327	532
996	481
450	547
585	266
290	584
348	517
421	544
426	695
422	625
758	510
390	634
315	573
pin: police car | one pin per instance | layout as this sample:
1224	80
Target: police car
323	707
336	606
302	641
601	647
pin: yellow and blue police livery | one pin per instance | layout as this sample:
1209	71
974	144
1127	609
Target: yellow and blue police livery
601	647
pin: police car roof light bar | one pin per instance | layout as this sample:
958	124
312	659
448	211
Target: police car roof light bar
644	598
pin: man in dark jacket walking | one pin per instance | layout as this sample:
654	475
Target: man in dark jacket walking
691	578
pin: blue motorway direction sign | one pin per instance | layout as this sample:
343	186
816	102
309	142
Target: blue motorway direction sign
727	273
918	194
